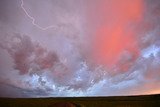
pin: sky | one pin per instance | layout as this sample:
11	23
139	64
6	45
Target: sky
75	48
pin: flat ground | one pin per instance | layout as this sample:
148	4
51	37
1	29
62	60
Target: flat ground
117	101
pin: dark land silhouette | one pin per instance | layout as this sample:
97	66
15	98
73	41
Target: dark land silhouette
115	101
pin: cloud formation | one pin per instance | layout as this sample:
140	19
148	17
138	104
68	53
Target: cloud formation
100	48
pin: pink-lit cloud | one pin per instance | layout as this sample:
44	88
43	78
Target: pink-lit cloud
96	48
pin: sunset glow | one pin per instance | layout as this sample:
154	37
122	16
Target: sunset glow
68	48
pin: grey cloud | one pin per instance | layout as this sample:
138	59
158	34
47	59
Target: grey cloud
25	53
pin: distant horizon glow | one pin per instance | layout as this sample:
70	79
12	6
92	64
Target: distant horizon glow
68	48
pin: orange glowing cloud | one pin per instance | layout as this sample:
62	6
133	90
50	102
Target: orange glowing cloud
114	33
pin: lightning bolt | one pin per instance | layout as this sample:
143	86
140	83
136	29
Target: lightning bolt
33	19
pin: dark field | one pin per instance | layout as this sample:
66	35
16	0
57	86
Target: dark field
118	101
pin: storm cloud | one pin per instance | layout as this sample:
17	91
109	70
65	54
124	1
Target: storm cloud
60	48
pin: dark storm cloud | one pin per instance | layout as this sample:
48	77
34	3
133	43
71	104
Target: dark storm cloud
11	91
25	53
